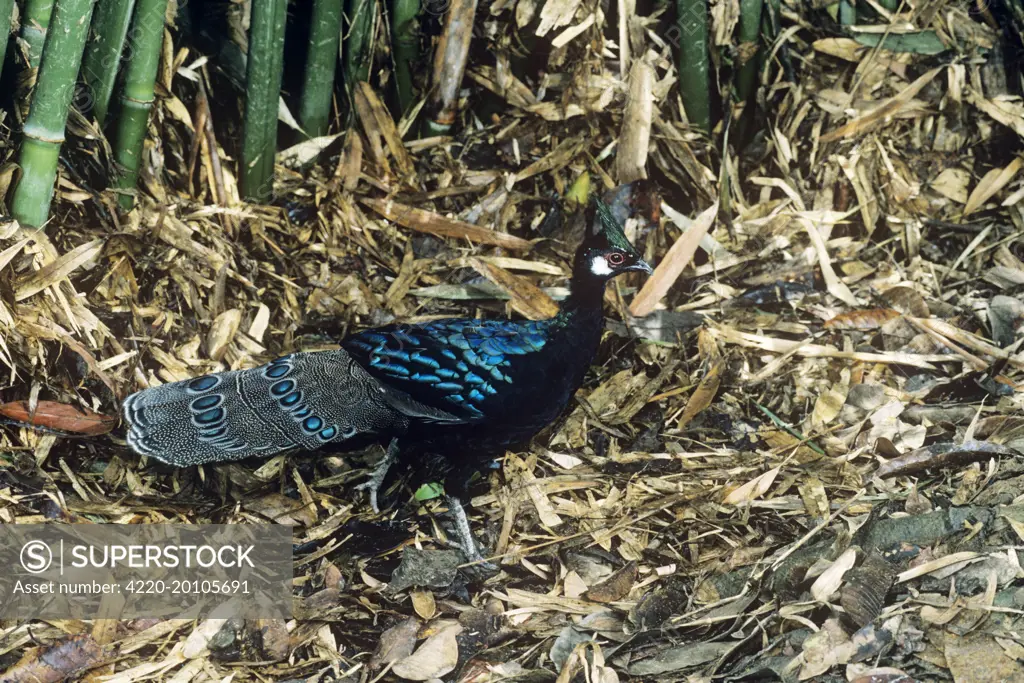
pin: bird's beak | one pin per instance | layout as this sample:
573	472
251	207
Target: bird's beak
643	267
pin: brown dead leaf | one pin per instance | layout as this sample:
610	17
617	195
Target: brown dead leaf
671	267
885	110
54	272
376	119
526	298
990	184
432	223
56	663
282	509
222	332
753	489
615	587
423	604
704	394
59	416
864	319
396	643
436	657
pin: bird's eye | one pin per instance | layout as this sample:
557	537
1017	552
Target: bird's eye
616	258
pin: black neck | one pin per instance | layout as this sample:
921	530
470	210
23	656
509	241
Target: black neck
586	297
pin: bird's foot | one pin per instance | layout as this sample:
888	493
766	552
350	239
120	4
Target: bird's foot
379	473
480	568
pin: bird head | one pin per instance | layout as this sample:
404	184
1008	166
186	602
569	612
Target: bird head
606	252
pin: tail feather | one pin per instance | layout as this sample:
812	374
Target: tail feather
299	402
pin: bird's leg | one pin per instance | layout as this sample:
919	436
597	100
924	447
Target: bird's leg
465	535
376	479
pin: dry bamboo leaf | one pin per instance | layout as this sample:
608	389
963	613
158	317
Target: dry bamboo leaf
704	394
828	583
10	252
555	14
429	222
884	110
864	319
841	48
436	657
523	471
836	287
635	137
557	158
304	152
566	36
59	416
959	560
992	182
1008	113
222	332
54	272
952	184
367	101
753	489
671	267
526	298
396	643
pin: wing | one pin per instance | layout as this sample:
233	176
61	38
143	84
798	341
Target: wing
454	365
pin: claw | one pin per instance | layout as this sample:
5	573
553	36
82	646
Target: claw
465	539
376	480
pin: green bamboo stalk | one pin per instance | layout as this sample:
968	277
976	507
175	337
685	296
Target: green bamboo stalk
694	66
48	114
405	46
34	26
103	52
359	40
750	36
138	96
6	17
318	86
262	91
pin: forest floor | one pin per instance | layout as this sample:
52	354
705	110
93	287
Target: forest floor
798	457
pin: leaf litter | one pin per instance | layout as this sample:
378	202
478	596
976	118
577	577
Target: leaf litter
798	456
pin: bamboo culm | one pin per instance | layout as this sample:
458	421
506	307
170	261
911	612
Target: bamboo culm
262	91
321	62
6	10
138	96
103	52
358	40
694	62
35	24
405	46
48	113
750	36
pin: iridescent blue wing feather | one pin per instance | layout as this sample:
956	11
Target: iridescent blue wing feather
453	365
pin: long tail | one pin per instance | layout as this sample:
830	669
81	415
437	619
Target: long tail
299	402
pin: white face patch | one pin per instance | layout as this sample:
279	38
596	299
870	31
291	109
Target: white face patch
599	266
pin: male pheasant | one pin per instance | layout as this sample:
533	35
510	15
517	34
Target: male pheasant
459	390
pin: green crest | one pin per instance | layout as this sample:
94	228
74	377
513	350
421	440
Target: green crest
611	229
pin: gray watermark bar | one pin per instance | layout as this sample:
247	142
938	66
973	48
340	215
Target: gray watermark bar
130	571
